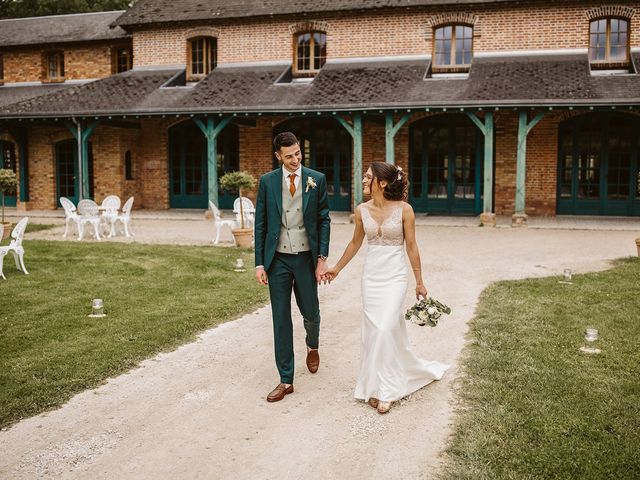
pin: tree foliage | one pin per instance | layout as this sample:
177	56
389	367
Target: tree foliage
37	8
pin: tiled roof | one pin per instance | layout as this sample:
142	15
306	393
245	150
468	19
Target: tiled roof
498	81
118	93
58	29
15	94
163	11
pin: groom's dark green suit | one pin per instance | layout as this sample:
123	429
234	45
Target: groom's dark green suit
285	271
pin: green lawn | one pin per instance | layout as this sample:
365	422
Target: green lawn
531	405
156	298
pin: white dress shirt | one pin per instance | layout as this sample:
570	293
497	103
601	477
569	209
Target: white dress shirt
296	181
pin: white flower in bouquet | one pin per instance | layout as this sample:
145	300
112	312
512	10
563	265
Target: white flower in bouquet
426	312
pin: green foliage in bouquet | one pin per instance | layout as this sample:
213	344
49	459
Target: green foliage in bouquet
427	312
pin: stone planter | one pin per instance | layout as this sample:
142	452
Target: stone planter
243	236
6	230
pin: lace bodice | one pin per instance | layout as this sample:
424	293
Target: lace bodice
390	232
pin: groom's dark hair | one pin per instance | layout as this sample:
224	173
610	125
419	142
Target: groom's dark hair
284	139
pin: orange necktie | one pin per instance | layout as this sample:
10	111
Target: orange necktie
292	184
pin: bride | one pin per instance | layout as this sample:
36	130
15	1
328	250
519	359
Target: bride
388	368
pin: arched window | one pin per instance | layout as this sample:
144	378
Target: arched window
202	55
609	42
452	48
310	53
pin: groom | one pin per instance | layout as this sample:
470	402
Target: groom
292	244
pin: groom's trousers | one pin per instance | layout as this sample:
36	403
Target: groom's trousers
292	272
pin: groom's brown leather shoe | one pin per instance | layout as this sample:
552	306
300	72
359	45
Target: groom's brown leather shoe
279	392
313	360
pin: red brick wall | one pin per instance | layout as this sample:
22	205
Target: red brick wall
506	138
108	146
542	167
89	60
153	157
42	174
513	26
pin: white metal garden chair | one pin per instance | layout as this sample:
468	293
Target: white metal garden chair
88	214
248	209
109	207
71	215
15	247
125	217
218	222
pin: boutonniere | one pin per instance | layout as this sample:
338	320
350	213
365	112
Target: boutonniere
311	183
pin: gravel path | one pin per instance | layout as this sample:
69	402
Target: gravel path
199	412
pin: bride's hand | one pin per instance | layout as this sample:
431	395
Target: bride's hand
331	273
421	291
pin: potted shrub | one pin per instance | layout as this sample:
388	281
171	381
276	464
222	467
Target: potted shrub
240	181
8	184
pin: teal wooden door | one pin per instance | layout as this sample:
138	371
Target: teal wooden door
8	161
188	167
598	166
445	166
67	177
188	170
326	147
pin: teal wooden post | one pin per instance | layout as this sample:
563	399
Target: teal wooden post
521	162
357	160
390	131
487	130
82	137
211	132
86	134
355	131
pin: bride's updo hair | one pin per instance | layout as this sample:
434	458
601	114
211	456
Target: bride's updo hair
397	186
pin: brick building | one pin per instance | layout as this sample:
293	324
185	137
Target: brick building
493	107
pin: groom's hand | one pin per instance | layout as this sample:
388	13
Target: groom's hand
321	271
261	276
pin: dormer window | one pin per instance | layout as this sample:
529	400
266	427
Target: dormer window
121	59
452	48
609	43
310	53
54	66
203	52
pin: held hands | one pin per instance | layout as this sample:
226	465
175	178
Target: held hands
321	272
324	273
421	291
332	273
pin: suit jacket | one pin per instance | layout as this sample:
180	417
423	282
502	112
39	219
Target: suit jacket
268	215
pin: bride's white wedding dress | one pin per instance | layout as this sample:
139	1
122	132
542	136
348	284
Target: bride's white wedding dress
388	369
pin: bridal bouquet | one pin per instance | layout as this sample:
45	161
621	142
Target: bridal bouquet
427	312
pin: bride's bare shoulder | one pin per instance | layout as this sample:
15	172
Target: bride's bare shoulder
407	210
